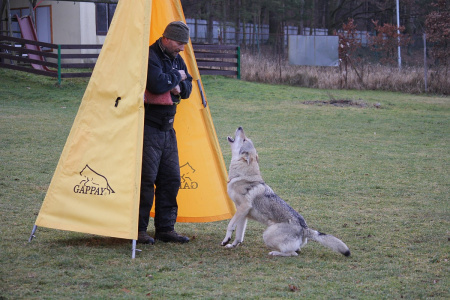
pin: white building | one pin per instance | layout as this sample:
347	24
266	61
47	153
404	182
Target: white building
62	22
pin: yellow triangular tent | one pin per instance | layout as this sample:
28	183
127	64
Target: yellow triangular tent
96	185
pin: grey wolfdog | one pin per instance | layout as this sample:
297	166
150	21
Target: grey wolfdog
286	229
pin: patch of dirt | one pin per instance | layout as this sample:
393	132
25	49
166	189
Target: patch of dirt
342	103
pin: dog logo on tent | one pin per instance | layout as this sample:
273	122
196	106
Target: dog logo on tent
92	183
187	183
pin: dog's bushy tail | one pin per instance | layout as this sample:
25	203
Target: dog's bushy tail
329	241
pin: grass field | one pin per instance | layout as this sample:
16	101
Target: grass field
375	176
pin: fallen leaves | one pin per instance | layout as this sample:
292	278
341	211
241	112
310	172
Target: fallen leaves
293	288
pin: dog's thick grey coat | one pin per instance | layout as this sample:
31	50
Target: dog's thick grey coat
287	230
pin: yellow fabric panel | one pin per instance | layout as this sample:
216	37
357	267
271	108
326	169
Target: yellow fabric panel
96	184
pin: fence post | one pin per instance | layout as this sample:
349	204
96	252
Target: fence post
59	65
425	67
8	13
238	62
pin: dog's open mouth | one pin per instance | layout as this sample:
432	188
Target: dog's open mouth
230	139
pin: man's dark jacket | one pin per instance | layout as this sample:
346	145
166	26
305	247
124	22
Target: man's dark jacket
162	76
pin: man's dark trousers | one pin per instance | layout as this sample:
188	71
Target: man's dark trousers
160	167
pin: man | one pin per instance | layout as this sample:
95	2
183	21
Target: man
160	165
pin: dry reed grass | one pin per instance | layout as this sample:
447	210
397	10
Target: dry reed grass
259	68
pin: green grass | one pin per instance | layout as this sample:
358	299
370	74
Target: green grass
376	178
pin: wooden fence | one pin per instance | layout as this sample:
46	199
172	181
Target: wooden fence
26	55
218	59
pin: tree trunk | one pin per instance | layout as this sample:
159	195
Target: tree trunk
210	24
237	21
274	30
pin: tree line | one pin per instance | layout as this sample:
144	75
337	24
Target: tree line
416	17
327	14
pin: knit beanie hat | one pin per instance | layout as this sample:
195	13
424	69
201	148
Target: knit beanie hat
177	31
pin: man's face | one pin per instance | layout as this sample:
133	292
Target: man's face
173	48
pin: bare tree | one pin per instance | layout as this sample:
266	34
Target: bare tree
349	43
387	40
438	32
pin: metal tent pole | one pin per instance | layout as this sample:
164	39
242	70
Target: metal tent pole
32	233
133	249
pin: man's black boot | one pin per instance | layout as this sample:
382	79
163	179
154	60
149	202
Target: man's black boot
144	238
171	236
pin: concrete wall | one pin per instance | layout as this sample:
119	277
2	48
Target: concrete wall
87	25
65	22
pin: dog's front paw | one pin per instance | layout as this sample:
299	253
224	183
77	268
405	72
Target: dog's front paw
225	241
233	245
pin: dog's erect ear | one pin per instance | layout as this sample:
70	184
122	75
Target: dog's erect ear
252	157
249	157
245	156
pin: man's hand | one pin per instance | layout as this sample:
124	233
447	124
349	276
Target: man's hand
176	90
183	74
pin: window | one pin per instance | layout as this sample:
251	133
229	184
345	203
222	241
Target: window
103	16
15	26
43	24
